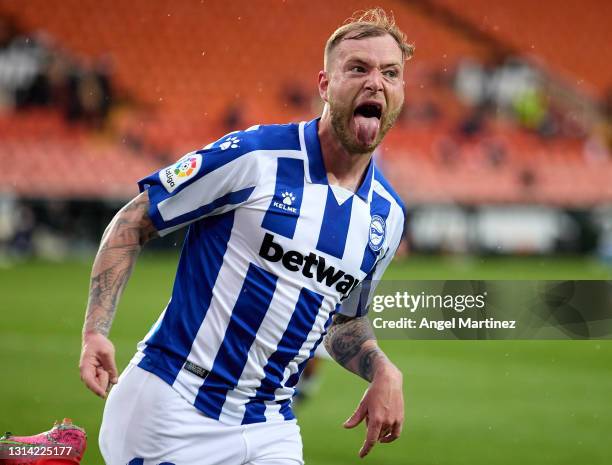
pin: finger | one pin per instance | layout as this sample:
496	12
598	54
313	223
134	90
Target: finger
103	380
384	431
108	363
88	376
395	433
371	438
357	416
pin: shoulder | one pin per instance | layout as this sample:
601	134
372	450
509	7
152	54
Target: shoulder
259	137
252	148
396	219
382	187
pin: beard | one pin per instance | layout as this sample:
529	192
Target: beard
341	116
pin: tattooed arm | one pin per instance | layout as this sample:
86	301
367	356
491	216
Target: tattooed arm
121	242
351	342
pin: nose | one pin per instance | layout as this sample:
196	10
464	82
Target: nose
374	82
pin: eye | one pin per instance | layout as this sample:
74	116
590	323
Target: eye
358	69
391	73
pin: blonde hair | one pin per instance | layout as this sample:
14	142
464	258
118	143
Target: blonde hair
369	23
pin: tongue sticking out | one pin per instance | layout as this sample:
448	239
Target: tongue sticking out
366	129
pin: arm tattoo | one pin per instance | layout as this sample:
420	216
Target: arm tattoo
345	337
366	363
120	245
346	342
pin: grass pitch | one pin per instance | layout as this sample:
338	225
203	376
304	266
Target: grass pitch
467	402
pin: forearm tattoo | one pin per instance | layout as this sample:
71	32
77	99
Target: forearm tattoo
346	343
120	245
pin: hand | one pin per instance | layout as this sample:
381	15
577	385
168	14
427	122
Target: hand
97	365
382	406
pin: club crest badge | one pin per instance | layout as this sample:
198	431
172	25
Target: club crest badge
377	233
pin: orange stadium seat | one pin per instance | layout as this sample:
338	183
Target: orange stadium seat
186	64
572	36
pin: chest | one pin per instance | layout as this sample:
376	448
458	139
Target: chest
311	235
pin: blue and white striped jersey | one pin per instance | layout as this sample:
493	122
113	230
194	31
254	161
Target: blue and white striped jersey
272	252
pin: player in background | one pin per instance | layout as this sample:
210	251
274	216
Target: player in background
288	227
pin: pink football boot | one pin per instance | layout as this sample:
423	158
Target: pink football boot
64	444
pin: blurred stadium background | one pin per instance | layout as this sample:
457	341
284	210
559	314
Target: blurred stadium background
502	154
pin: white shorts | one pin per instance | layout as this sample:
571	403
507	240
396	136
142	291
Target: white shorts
146	422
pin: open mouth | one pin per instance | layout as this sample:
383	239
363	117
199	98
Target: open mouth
366	122
369	110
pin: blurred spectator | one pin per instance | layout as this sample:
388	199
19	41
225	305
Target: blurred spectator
233	118
50	87
8	222
474	123
89	96
295	95
495	152
447	151
20	61
511	80
471	82
34	72
527	179
21	242
530	109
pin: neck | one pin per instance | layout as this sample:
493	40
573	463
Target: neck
343	168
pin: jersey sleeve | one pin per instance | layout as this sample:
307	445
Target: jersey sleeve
358	301
214	180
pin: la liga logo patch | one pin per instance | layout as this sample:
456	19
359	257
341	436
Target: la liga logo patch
186	167
183	170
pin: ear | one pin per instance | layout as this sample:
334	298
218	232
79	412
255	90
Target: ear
323	85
